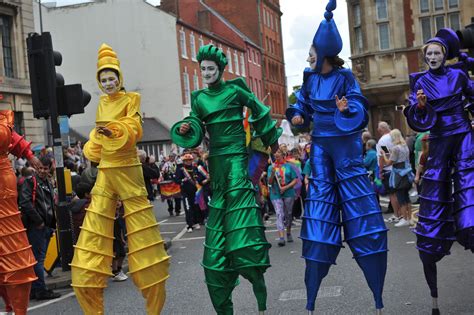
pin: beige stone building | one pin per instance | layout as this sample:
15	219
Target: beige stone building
16	21
386	37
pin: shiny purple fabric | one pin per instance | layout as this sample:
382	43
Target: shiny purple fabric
446	214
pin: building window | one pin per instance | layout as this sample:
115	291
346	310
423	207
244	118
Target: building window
257	59
182	42
358	38
356	11
236	63
201	42
424	6
453	3
384	36
271	21
195	81
426	28
439	22
277	28
242	64
192	46
19	126
6	23
187	90
381	7
454	21
229	61
249	54
438	4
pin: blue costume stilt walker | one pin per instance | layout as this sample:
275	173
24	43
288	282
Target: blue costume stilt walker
340	194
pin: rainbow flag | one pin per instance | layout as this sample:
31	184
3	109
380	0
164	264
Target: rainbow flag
199	198
296	166
169	190
248	135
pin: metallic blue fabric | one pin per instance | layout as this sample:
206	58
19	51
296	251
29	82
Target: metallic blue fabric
327	41
339	192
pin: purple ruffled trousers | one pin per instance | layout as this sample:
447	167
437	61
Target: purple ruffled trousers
446	214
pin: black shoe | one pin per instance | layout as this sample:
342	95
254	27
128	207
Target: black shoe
178	213
171	213
47	295
435	311
281	242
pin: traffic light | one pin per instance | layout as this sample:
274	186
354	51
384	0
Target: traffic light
49	94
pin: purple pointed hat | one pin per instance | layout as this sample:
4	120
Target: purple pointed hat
448	38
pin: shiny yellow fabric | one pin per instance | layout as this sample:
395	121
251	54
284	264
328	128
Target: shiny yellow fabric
120	176
148	260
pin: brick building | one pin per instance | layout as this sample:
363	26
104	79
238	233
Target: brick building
16	21
386	37
199	24
260	20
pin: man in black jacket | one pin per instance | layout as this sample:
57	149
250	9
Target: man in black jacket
148	174
186	177
37	202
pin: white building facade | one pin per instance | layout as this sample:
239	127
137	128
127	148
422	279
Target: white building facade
144	38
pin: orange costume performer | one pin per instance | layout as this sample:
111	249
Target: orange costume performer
120	176
16	257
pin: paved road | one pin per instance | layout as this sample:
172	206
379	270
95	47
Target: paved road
344	290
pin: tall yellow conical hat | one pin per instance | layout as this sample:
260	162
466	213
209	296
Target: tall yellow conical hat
107	59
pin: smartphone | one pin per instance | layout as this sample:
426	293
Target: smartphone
399	108
385	149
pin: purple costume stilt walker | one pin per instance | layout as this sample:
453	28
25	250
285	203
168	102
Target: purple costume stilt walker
445	214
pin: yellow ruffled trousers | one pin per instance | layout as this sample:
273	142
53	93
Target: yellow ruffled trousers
147	258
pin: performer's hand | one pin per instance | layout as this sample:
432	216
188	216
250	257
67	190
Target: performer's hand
417	180
283	189
104	131
421	97
35	163
341	104
297	120
184	128
274	147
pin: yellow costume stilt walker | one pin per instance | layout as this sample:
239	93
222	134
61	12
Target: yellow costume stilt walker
112	144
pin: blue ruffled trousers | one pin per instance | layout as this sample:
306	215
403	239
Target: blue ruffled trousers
340	195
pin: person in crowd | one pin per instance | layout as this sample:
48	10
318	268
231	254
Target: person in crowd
420	170
370	157
89	175
235	240
119	245
16	259
366	136
263	195
112	144
281	182
294	161
168	172
418	147
385	145
340	194
186	177
37	208
204	180
149	174
154	181
78	207
439	101
400	179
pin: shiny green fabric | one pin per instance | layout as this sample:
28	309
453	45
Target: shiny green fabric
235	240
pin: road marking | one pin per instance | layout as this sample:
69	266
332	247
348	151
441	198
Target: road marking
162	233
163	221
324	292
51	302
174	223
177	237
191	238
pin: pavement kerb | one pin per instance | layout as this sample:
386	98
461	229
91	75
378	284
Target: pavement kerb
65	282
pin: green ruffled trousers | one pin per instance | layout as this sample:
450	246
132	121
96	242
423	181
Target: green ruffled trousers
235	235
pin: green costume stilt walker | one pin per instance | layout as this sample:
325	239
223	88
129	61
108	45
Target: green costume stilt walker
235	239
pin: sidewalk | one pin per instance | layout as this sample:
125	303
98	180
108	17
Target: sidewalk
62	279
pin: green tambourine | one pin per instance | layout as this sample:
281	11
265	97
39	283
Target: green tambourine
193	137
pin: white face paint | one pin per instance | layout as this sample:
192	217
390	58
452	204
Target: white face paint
109	81
209	72
434	56
312	58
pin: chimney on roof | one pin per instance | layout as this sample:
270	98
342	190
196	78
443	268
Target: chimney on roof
170	6
204	20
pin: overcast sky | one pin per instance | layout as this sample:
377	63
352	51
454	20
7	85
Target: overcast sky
300	21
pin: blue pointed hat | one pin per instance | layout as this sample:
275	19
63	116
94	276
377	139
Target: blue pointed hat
327	41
